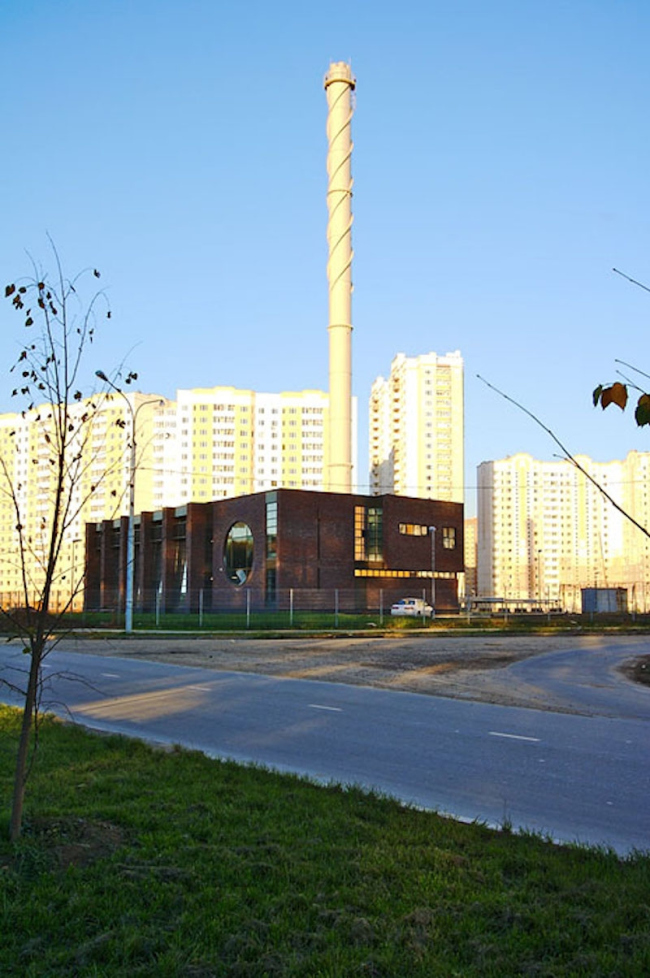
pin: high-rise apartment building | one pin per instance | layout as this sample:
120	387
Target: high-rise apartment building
217	442
545	531
471	556
211	443
417	428
95	488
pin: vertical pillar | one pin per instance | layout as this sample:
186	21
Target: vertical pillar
339	85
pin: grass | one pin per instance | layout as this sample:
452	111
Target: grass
274	622
137	862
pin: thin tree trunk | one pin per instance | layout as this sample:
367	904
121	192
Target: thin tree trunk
20	778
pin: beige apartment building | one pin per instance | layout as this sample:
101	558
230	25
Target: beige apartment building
211	443
545	531
95	488
218	442
471	556
417	428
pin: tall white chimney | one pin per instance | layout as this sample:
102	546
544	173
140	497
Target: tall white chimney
339	85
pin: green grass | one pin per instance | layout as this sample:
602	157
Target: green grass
136	861
273	622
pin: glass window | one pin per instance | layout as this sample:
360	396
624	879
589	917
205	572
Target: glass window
449	537
238	553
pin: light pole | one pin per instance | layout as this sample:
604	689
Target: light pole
432	534
130	535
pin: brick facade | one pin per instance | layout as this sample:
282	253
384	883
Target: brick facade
358	546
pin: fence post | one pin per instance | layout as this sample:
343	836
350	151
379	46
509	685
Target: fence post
336	607
381	606
248	608
290	607
201	608
157	609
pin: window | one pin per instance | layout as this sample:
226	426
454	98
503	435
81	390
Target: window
449	537
368	533
238	553
413	529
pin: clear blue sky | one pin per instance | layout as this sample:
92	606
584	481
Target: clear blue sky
500	166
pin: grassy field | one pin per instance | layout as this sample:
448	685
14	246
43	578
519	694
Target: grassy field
139	862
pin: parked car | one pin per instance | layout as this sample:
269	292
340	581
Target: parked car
412	607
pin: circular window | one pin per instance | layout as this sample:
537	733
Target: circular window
238	553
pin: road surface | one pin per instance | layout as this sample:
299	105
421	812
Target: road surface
571	777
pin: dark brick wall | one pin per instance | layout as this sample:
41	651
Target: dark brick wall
315	551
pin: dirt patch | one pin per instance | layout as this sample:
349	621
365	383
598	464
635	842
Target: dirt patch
69	841
433	664
438	664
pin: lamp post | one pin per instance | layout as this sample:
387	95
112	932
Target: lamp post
130	536
432	534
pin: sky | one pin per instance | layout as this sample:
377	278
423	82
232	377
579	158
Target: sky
500	174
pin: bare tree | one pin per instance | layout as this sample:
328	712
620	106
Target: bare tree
47	475
618	393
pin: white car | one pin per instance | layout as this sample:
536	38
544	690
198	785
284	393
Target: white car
412	608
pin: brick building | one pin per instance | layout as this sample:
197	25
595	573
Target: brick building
253	551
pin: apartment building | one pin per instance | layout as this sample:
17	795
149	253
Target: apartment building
219	442
471	556
417	428
545	530
211	443
95	487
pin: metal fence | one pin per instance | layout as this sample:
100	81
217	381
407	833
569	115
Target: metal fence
250	608
298	608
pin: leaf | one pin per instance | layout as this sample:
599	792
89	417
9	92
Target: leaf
616	394
96	273
9	290
29	321
596	395
642	413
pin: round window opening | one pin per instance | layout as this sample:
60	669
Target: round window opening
238	553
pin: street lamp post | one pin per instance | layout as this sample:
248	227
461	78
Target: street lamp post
432	534
130	535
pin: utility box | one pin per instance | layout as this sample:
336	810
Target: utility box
610	600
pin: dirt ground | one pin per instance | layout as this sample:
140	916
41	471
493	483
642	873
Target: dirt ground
470	668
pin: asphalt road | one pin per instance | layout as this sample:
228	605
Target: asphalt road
583	679
571	777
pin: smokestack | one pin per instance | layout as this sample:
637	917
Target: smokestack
339	85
